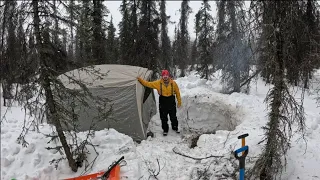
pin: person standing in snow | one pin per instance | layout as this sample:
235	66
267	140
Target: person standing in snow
167	89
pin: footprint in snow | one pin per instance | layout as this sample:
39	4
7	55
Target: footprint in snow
4	131
4	152
30	149
48	170
15	150
14	121
37	160
314	126
7	161
7	136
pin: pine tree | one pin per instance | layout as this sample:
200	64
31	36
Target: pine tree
134	31
2	29
22	72
10	54
194	51
174	50
222	26
46	60
125	36
165	57
232	50
117	51
183	40
111	44
71	9
310	45
300	44
31	64
84	35
147	42
205	30
284	110
318	38
45	76
99	37
194	54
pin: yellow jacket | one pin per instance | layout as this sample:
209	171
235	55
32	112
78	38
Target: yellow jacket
171	89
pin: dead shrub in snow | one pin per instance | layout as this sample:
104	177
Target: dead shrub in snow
154	169
201	174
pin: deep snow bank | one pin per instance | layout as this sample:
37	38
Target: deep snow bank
33	162
204	110
207	114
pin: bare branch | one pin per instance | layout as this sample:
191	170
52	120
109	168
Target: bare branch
195	158
152	171
227	138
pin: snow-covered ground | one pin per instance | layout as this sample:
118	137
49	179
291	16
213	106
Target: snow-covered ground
222	117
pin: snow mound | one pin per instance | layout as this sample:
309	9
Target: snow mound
33	161
205	113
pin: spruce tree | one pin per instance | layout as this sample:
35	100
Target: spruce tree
10	57
71	9
174	50
134	7
194	57
45	61
22	73
232	50
84	35
205	30
147	41
310	42
284	110
125	36
184	38
111	44
165	48
194	54
99	37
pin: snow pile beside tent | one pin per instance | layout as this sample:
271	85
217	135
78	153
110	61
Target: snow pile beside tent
221	117
32	162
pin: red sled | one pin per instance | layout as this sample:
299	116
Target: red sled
112	174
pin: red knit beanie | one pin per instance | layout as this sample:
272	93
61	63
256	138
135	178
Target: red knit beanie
165	73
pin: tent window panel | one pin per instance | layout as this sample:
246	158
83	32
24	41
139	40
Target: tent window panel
146	93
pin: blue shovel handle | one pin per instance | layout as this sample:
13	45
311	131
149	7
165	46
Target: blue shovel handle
241	160
245	149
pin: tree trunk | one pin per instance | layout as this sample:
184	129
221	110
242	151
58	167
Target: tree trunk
272	142
71	46
306	80
236	38
46	86
57	123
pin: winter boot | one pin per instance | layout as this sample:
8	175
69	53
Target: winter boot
165	133
177	131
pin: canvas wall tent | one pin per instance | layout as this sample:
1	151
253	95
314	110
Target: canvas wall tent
133	105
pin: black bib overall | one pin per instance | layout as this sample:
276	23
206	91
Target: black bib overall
167	106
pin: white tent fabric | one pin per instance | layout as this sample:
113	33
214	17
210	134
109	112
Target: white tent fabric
117	75
132	107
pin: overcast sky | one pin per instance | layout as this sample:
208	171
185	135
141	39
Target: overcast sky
172	8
